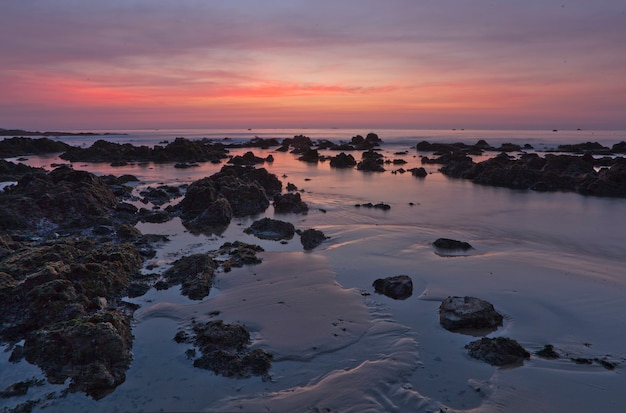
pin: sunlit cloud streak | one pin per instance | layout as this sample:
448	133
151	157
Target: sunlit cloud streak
397	63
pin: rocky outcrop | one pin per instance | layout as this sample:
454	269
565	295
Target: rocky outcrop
311	238
93	352
290	203
63	198
399	287
20	146
180	150
271	229
194	273
468	313
498	351
371	161
247	158
10	171
342	160
225	351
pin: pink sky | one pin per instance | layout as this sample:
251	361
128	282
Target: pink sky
294	63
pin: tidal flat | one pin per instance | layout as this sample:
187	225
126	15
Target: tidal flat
550	260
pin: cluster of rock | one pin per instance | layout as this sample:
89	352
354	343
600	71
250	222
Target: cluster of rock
20	146
530	171
276	230
179	150
224	349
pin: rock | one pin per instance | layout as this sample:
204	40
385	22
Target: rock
225	350
310	155
240	254
271	229
399	287
418	172
451	244
194	272
371	161
20	146
498	351
342	160
245	198
93	352
311	238
548	352
459	313
10	171
247	158
290	203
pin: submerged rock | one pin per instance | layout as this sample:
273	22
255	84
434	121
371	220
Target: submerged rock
399	287
458	313
498	351
271	229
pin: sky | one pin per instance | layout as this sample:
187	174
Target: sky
421	64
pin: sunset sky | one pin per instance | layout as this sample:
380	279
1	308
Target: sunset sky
135	64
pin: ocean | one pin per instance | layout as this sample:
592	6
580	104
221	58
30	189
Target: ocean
552	263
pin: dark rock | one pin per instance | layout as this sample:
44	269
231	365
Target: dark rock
20	146
225	350
271	229
245	197
399	287
342	160
240	254
194	272
310	155
247	158
460	313
10	171
619	147
290	203
418	172
586	147
498	351
548	352
311	238
93	352
451	244
291	187
371	161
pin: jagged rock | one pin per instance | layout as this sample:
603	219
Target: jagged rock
311	238
310	155
240	254
498	351
194	272
342	160
271	229
10	171
225	350
93	352
399	287
418	172
247	158
290	203
245	198
459	313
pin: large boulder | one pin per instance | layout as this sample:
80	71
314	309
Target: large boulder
500	351
460	313
271	229
245	197
399	287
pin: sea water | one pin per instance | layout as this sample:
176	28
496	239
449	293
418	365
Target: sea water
552	263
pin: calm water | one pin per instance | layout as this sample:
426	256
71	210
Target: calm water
553	263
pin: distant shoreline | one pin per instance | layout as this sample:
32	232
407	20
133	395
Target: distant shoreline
20	132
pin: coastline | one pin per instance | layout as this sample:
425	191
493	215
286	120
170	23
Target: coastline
552	274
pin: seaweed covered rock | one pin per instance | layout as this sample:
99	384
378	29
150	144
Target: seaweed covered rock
63	198
459	313
398	287
195	274
271	229
225	351
10	171
499	351
204	209
94	352
240	254
245	197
